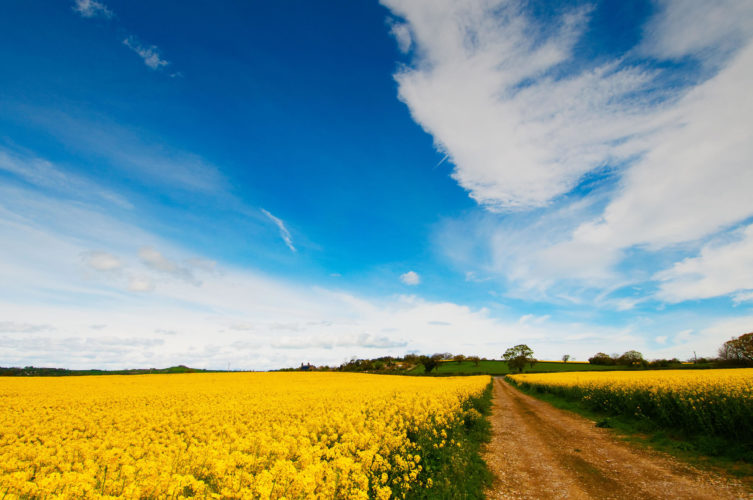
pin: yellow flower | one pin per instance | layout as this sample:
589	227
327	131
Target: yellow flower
239	435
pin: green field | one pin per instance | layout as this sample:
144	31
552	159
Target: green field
493	367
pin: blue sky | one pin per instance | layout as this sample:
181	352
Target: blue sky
261	185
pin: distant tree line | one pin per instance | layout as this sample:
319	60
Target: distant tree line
34	371
736	352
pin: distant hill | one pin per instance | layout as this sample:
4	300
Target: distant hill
33	371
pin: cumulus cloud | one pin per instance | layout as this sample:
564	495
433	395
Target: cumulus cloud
92	8
101	261
410	278
284	233
154	260
150	54
401	32
140	284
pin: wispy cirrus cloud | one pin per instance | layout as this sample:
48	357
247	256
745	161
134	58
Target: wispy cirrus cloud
92	8
149	53
707	30
528	126
42	173
141	156
284	233
483	83
721	268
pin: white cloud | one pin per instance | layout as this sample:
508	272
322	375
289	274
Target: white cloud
235	316
284	233
696	179
13	327
697	27
92	8
683	336
482	83
140	284
694	182
150	54
720	269
154	260
363	340
42	173
101	261
401	32
518	136
743	297
706	341
410	278
142	156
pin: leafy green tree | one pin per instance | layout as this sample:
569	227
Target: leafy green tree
474	359
631	358
739	349
430	362
601	358
518	356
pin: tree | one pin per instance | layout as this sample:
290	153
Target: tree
474	359
459	358
738	350
631	358
601	358
430	362
518	356
565	358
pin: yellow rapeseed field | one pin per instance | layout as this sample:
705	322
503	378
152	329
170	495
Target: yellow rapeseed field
228	435
718	402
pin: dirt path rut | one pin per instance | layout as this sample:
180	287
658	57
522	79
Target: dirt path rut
540	452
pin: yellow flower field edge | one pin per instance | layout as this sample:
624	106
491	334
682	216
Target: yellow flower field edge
243	435
702	402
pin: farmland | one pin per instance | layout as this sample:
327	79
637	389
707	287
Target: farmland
235	435
709	403
534	440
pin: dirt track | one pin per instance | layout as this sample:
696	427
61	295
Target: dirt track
540	452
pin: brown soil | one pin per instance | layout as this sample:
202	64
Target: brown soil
540	452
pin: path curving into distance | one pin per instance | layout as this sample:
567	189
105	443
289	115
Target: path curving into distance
540	452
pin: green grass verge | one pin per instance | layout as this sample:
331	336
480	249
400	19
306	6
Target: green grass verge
458	471
710	452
